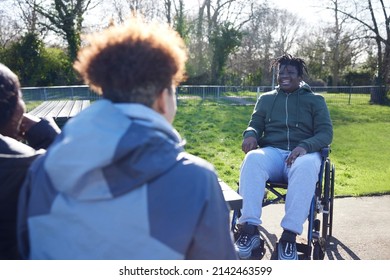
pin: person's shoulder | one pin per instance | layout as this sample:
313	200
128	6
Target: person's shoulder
307	91
318	97
197	174
195	162
269	94
266	98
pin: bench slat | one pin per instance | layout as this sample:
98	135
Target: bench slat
43	109
233	199
86	104
60	110
77	107
65	111
56	110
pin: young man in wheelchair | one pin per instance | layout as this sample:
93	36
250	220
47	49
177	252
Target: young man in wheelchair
287	129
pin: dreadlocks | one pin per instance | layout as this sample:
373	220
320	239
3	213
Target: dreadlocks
288	59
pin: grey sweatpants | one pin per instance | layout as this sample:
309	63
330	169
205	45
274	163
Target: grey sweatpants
269	164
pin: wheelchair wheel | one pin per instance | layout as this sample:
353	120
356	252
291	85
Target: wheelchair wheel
234	227
318	251
331	200
326	201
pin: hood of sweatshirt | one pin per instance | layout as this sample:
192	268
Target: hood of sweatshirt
111	149
304	88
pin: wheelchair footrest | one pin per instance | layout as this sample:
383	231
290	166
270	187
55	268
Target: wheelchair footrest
302	248
258	254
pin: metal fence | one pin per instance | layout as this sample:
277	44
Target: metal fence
235	95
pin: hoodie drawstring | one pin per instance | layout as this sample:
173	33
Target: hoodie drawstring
298	103
272	106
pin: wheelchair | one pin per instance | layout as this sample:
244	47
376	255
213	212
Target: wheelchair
319	228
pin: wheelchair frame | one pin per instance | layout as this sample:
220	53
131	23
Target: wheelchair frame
322	203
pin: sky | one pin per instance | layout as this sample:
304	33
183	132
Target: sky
307	9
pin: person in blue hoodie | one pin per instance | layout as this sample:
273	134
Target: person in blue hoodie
117	183
287	129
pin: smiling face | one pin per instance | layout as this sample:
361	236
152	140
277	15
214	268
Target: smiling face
288	78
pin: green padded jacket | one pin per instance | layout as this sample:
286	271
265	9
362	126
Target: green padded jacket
286	121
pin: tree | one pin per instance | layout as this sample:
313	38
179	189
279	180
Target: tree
373	20
179	20
10	30
313	48
149	9
36	65
56	68
271	32
287	27
168	10
64	17
335	44
25	57
225	39
28	15
218	20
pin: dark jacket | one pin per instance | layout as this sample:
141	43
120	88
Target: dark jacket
286	121
117	184
15	159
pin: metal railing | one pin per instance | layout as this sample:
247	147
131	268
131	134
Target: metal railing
235	95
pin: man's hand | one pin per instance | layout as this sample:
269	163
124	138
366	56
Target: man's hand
249	143
26	123
297	152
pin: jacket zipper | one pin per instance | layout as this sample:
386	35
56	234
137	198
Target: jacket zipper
288	129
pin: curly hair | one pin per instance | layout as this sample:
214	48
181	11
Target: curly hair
133	62
9	94
288	59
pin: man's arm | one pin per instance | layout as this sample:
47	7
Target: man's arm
323	129
255	128
39	133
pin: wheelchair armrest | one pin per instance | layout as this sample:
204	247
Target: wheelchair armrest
325	151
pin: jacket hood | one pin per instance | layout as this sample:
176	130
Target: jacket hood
111	149
304	88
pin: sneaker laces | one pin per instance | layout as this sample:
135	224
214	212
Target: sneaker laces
243	240
288	248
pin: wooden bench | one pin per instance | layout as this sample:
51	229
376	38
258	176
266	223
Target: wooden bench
60	110
233	199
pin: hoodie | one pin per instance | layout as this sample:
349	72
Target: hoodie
117	184
286	121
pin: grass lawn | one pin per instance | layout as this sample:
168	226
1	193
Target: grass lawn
360	148
32	104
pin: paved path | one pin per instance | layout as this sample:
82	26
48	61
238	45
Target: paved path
361	229
238	100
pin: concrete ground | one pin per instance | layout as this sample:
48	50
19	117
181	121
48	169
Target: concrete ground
361	229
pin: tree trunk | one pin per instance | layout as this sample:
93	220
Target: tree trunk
378	95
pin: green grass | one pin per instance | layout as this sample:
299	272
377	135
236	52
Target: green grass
360	148
214	132
32	104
